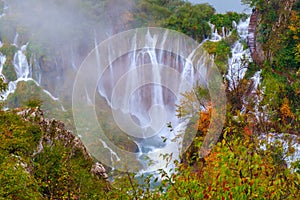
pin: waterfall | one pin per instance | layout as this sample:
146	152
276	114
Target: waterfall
144	85
2	61
114	156
236	71
236	67
287	141
36	74
214	33
15	41
21	65
145	99
23	71
256	94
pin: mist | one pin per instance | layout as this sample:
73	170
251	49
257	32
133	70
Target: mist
59	23
62	32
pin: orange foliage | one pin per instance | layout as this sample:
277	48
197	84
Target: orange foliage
204	119
285	110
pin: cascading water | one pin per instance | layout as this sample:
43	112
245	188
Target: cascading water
151	99
236	67
15	42
214	33
21	65
236	71
143	99
256	95
2	61
288	141
23	71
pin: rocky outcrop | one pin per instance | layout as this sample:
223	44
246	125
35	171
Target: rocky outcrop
99	170
283	10
255	49
55	130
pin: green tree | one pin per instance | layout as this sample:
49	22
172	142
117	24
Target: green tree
191	20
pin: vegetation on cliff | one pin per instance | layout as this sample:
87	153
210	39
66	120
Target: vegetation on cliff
41	159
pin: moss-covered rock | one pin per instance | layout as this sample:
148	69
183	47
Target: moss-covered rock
8	50
29	91
110	128
9	72
28	94
8	68
221	52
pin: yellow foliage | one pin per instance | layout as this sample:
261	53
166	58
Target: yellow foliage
188	104
285	109
294	27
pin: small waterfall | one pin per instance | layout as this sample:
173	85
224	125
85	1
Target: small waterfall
114	156
287	141
36	73
73	63
23	71
236	67
152	40
215	36
2	61
21	65
15	41
88	99
49	94
214	33
256	95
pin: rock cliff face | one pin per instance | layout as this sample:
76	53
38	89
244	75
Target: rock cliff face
55	130
255	48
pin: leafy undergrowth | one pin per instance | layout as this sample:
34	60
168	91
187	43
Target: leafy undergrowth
43	164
